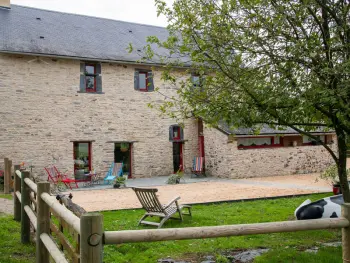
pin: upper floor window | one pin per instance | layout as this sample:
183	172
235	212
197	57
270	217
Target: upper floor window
175	133
196	81
90	77
143	80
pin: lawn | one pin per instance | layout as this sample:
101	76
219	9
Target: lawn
6	196
285	247
220	214
11	249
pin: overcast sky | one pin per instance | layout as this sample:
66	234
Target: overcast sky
139	11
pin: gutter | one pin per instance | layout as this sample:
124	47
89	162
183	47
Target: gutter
279	134
269	134
87	59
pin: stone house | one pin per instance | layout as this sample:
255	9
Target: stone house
73	95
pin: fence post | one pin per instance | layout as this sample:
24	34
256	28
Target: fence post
10	183
16	188
43	223
91	238
6	176
346	234
25	223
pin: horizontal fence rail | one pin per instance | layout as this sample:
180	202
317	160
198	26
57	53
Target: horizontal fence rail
19	174
132	236
31	215
19	196
55	253
62	212
31	185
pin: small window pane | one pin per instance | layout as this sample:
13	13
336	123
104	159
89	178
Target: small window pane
89	69
176	132
142	81
90	82
196	81
276	140
306	139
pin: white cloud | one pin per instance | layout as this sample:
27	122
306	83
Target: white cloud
139	11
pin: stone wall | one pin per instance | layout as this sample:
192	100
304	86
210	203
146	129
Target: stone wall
42	112
224	159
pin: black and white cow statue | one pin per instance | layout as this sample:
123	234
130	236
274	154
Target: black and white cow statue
328	207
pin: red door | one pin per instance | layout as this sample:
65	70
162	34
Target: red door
201	146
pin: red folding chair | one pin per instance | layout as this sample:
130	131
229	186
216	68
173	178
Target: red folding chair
54	176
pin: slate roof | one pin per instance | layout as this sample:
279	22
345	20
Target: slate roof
37	31
265	130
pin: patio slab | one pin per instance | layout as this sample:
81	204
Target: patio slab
199	190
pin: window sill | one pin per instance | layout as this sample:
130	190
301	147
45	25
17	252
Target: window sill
90	92
145	90
178	140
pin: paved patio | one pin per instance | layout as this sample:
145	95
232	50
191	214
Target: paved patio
199	190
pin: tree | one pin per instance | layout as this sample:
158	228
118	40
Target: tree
276	62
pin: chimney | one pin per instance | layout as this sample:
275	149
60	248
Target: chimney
5	4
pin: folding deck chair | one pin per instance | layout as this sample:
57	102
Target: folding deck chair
115	170
150	202
54	176
197	167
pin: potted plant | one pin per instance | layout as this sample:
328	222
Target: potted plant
176	177
124	147
79	173
119	181
331	174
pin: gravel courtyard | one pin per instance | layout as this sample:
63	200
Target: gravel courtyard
206	190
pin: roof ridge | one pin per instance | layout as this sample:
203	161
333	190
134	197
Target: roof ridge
89	16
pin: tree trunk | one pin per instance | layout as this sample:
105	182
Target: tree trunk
341	164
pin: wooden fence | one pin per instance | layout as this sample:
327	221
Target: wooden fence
33	204
53	222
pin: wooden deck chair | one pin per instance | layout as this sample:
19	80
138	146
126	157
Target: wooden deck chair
54	176
150	202
197	167
115	170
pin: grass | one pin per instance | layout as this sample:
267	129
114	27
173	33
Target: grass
11	250
6	196
289	255
212	215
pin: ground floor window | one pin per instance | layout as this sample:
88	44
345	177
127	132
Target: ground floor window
82	157
122	154
310	141
259	142
281	141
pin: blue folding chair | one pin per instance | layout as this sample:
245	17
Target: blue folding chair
115	170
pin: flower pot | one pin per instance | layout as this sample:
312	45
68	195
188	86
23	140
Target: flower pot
336	189
116	185
79	174
177	180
